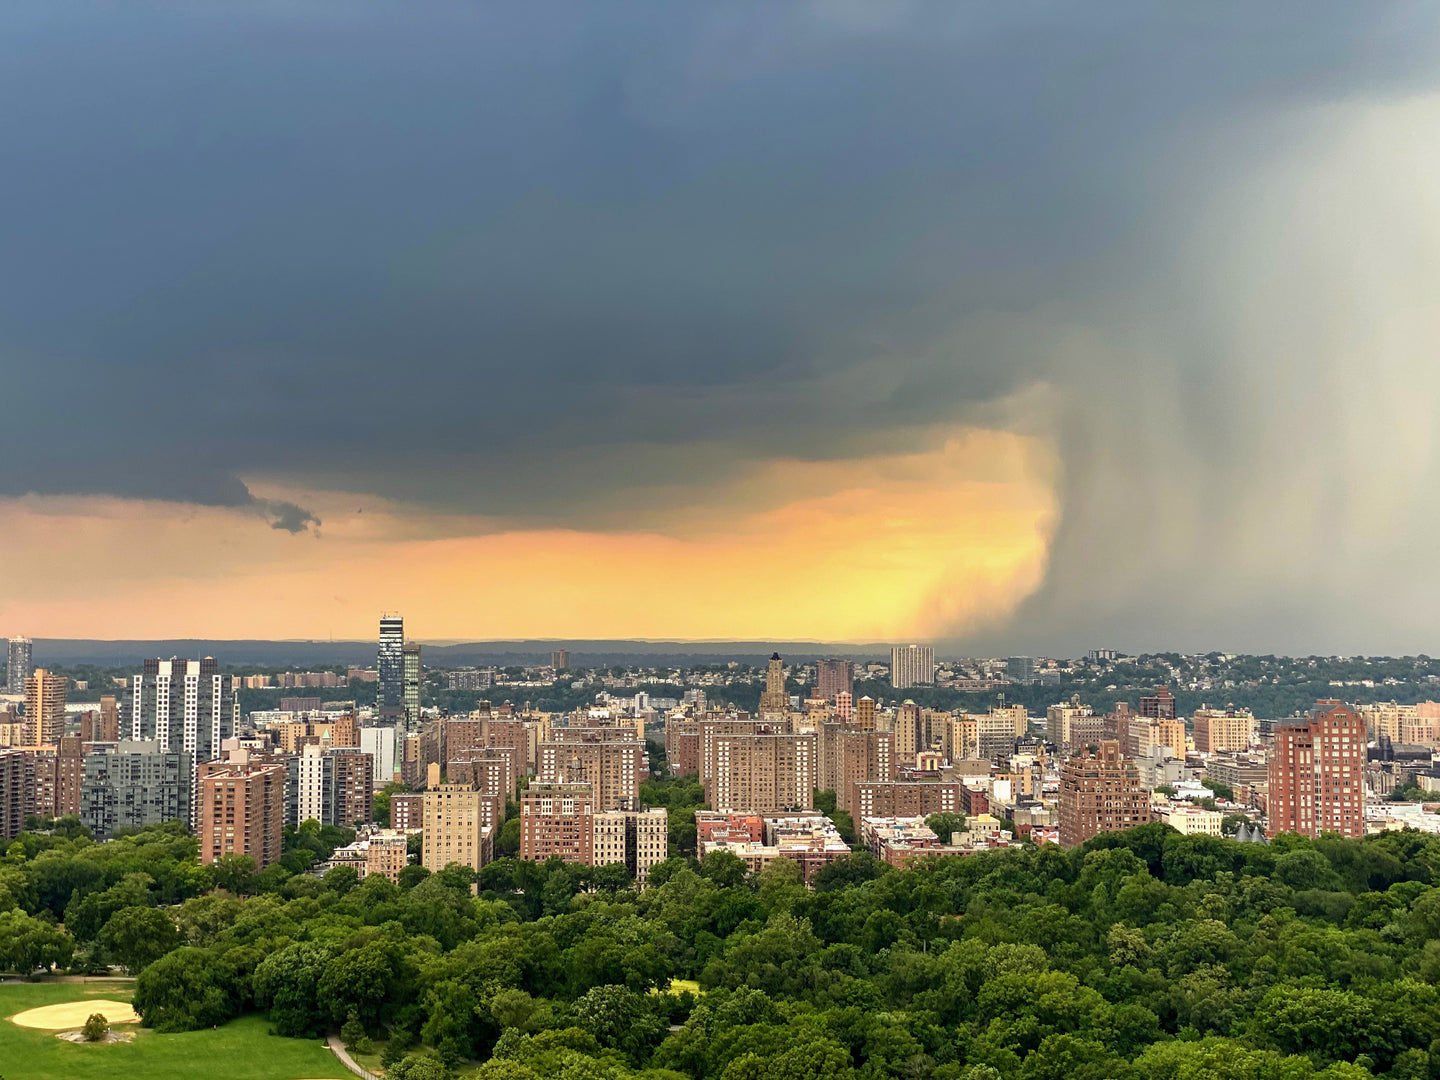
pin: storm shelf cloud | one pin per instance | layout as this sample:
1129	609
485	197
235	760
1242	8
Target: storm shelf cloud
528	265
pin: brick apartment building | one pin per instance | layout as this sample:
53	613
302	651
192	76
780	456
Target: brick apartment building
242	811
1316	767
557	821
1100	792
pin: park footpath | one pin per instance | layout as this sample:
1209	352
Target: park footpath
338	1046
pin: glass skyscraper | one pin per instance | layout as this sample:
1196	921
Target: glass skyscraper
390	663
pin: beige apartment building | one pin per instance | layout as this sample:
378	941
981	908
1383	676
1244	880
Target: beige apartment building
611	766
44	708
637	838
761	773
459	827
1146	734
1223	731
387	853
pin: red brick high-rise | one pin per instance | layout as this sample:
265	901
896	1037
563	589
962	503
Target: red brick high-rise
557	821
242	811
1316	766
1100	792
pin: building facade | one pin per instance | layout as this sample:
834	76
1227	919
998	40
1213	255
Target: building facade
557	822
459	827
413	678
1223	731
390	664
774	698
1100	792
912	665
17	788
20	662
759	772
187	706
1316	771
134	784
637	838
242	811
44	708
610	766
834	677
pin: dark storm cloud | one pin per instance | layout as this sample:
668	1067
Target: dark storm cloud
528	260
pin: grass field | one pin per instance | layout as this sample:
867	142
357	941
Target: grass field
241	1050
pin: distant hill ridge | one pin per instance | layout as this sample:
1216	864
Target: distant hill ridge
478	653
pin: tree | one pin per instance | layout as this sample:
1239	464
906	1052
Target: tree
725	868
848	871
945	824
234	873
287	983
418	1067
28	944
620	1020
186	990
507	840
95	1028
138	936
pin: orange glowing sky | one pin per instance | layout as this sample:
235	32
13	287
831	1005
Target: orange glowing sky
882	547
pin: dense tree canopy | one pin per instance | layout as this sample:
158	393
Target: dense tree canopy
1141	955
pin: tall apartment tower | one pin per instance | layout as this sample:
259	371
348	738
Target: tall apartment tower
637	838
909	739
610	767
834	677
760	773
1064	725
185	705
390	665
242	812
557	821
1101	793
457	827
865	713
413	676
17	791
59	770
775	698
44	708
109	719
331	786
912	665
560	659
21	662
1316	764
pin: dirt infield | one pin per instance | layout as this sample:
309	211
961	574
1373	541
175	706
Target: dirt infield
74	1013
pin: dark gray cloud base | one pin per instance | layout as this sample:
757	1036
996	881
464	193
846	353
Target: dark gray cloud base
520	261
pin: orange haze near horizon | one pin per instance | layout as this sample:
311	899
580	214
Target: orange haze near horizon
902	546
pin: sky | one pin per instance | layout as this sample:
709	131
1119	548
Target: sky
1031	327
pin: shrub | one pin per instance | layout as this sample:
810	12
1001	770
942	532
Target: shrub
95	1028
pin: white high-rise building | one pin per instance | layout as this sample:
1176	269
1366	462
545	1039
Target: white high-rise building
187	706
912	665
380	743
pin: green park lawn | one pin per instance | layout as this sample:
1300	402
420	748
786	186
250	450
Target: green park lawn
240	1050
